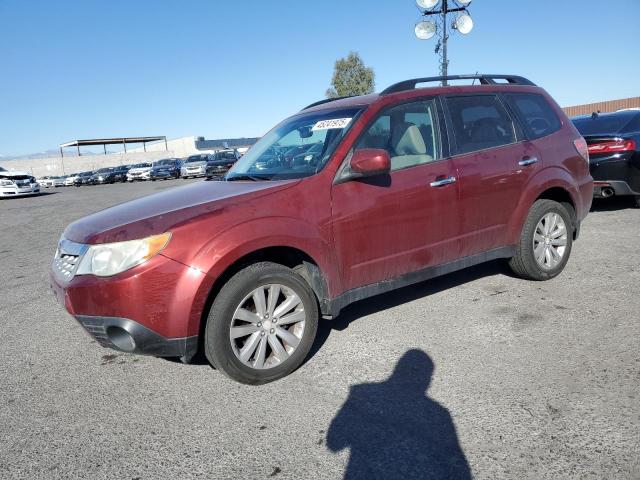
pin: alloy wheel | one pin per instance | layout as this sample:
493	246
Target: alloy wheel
267	326
550	241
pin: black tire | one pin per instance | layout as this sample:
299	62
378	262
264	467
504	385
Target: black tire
636	201
524	264
217	345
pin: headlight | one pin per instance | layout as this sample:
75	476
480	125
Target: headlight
110	259
6	183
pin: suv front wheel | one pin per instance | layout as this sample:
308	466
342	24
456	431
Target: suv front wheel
545	242
262	324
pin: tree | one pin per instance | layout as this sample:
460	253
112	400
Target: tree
351	77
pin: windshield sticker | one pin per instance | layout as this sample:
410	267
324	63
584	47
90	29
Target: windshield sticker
329	124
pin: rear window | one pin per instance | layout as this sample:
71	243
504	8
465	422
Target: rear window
479	122
536	115
604	124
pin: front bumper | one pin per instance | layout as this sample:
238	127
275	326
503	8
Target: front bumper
132	177
32	189
154	308
193	172
162	174
131	337
217	171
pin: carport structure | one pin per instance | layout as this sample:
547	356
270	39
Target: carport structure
112	141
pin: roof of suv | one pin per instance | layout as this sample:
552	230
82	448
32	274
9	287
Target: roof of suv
408	88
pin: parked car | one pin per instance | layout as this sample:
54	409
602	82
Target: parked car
412	183
139	171
110	175
83	178
51	181
195	166
17	184
100	175
614	151
70	180
220	162
165	169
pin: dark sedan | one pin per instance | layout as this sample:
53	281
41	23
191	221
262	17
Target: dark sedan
165	169
220	162
83	178
110	175
614	157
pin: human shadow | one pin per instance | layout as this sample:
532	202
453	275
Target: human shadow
403	295
393	430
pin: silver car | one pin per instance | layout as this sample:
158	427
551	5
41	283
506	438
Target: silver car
195	166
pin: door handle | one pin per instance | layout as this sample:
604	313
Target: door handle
527	161
442	182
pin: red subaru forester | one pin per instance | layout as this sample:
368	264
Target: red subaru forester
344	200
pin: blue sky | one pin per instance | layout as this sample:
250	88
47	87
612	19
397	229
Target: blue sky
101	68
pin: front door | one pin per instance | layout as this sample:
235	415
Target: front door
390	225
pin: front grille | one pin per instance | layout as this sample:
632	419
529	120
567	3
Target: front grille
66	265
68	258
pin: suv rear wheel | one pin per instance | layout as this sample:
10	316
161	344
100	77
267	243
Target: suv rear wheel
545	242
262	324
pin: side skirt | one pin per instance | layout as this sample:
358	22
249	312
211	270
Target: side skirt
333	306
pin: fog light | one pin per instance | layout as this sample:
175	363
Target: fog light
121	339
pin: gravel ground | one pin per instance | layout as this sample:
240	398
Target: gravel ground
522	379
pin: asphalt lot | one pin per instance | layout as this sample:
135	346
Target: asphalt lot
530	380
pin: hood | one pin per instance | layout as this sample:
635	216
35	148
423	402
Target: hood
15	174
163	211
195	164
140	170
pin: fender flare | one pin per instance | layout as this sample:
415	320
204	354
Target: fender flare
221	252
545	179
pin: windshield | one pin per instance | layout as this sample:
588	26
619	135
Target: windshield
104	170
169	161
603	124
279	154
2	169
225	155
141	165
197	158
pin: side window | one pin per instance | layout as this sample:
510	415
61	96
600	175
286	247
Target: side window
407	132
479	122
538	117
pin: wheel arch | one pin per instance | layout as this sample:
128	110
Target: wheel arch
551	184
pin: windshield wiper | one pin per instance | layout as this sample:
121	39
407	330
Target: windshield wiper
253	178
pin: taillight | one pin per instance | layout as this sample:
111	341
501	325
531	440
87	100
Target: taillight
615	145
581	148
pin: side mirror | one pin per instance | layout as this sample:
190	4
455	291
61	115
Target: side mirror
368	162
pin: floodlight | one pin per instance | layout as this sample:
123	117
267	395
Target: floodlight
464	3
464	24
427	4
425	30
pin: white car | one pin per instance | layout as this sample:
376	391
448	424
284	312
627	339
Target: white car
47	182
141	171
14	184
68	181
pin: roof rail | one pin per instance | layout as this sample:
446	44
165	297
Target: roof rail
485	79
326	100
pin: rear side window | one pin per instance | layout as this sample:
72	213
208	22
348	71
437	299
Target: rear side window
538	118
479	122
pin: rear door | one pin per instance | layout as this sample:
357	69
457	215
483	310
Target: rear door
494	162
390	225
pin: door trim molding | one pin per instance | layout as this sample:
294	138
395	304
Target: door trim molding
333	306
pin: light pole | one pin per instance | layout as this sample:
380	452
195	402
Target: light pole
426	28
